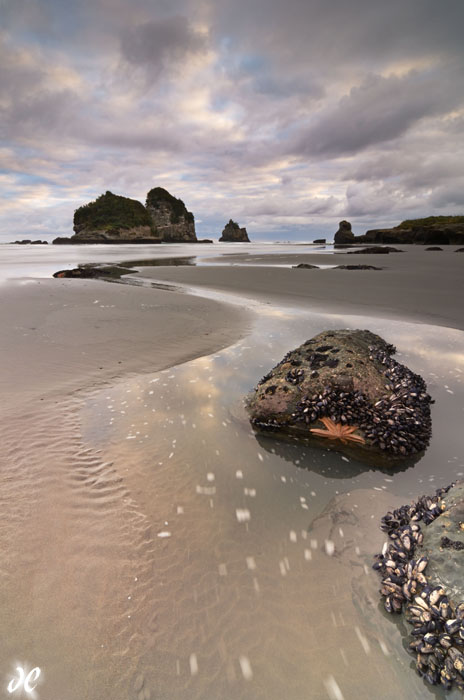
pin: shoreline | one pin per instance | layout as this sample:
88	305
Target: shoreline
60	336
415	286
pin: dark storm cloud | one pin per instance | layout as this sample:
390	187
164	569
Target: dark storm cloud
381	109
159	43
339	33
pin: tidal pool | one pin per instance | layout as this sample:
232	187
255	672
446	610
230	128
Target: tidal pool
251	556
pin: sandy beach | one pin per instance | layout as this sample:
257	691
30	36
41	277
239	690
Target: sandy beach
416	284
129	569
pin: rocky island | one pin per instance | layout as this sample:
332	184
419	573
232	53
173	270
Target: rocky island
115	219
436	230
343	389
232	233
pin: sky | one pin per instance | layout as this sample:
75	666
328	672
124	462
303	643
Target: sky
285	116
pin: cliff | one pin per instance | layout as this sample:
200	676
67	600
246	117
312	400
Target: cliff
170	217
232	233
434	230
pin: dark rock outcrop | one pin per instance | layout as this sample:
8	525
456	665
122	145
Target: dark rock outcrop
348	377
170	218
459	250
344	233
92	271
305	266
27	241
232	233
320	240
434	230
434	247
357	267
375	250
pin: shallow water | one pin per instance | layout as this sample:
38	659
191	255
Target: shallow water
18	261
239	594
154	547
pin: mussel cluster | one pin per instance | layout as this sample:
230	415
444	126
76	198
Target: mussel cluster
438	622
398	423
295	376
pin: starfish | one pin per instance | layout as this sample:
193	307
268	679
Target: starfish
338	431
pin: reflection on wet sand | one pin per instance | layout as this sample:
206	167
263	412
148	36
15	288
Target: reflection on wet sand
255	580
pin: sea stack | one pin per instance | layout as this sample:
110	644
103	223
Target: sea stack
344	233
170	217
232	233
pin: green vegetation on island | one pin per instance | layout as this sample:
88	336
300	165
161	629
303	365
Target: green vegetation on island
112	211
431	221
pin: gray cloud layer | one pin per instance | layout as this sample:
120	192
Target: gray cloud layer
285	115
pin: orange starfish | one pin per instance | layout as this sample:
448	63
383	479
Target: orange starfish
338	431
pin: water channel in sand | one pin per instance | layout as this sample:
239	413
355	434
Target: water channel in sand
194	559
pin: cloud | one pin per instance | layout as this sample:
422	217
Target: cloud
381	109
283	115
159	44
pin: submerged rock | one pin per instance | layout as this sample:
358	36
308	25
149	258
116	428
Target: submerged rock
357	267
305	266
422	576
434	247
374	250
378	409
232	233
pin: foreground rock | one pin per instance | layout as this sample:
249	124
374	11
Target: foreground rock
232	233
434	247
379	410
305	266
170	218
422	576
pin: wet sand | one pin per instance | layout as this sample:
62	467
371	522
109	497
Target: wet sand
416	285
60	336
89	591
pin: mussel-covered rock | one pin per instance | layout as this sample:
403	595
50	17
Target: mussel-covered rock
343	389
421	567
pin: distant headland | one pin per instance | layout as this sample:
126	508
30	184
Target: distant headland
434	230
